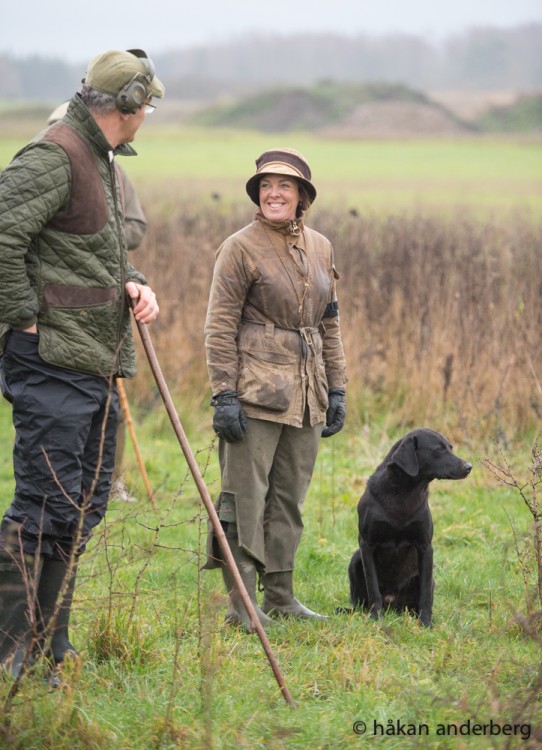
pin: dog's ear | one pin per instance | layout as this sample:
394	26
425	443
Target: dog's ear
405	457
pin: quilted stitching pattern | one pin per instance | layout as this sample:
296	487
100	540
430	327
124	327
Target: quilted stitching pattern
34	188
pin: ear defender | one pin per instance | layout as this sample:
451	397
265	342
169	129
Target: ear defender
133	95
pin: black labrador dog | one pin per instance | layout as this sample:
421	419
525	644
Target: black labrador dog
393	566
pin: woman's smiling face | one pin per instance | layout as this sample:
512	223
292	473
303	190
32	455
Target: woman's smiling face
279	197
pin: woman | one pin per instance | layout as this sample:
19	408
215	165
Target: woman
277	371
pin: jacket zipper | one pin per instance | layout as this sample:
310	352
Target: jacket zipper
122	274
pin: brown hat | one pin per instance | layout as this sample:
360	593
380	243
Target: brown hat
281	161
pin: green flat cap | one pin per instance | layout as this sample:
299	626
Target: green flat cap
112	70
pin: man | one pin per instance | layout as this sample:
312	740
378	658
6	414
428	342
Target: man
135	227
65	335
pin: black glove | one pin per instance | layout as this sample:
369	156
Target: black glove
336	412
229	421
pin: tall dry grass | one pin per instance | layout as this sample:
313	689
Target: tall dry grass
441	317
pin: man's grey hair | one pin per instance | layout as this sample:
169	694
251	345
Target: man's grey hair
97	101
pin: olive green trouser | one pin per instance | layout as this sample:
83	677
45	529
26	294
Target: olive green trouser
265	479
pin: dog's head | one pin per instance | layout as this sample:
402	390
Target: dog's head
427	454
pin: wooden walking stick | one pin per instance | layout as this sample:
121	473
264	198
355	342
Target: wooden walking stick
131	429
206	498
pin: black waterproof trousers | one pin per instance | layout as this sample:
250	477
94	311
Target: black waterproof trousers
65	431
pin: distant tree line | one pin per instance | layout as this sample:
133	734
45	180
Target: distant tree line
483	58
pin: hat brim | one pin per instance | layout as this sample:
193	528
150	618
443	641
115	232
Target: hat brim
253	184
157	88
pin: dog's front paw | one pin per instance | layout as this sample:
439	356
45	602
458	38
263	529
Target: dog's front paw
377	613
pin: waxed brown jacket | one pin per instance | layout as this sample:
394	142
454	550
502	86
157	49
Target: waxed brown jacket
272	330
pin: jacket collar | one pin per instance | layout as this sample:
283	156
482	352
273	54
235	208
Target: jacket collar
290	228
82	120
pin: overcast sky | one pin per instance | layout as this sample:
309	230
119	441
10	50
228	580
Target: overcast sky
75	31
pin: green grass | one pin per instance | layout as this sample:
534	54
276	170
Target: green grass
161	671
390	175
370	175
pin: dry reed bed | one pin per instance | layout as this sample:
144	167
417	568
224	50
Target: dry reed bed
441	317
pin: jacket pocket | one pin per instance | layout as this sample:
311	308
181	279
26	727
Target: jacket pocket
266	379
60	295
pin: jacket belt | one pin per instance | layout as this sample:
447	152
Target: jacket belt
305	332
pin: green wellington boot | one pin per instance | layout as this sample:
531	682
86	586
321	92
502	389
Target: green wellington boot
237	614
15	625
279	599
52	579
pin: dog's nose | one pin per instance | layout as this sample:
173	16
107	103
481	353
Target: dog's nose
467	468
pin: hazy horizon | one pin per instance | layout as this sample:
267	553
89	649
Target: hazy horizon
166	26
